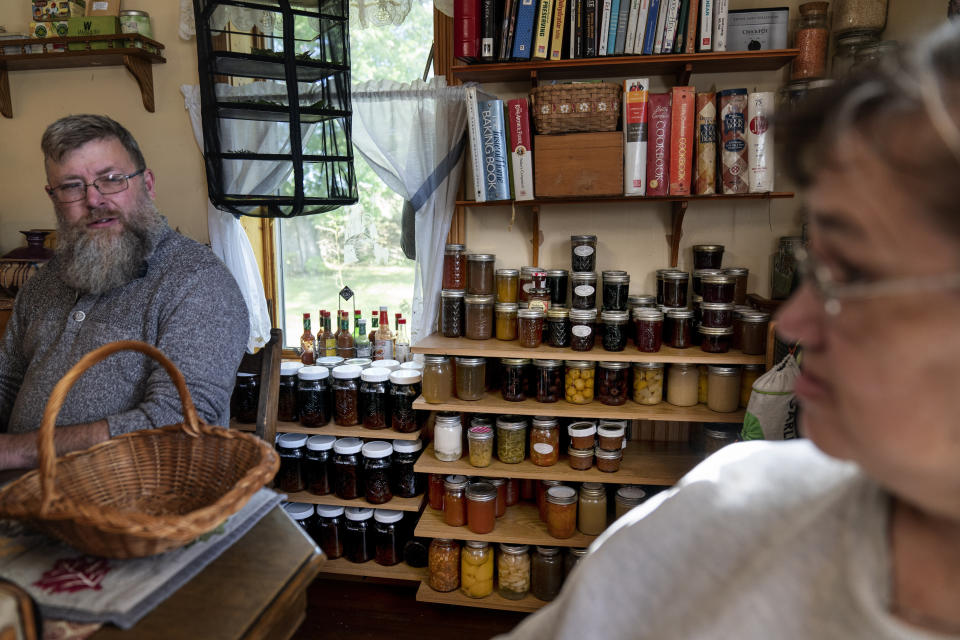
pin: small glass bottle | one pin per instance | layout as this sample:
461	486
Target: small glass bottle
454	501
357	534
578	381
584	290
404	481
437	379
508	285
404	389
549	380
616	286
513	571
479	315
287	393
481	507
648	329
556	330
812	39
583	329
506	320
452	320
480	270
530	331
514	381
454	267
374	396
615	330
307	342
317	464
443	565
346	395
612	383
388	536
583	253
476	569
592	509
511	439
291	448
558	280
346	468
544	441
377	471
471	378
330	528
447	435
546	573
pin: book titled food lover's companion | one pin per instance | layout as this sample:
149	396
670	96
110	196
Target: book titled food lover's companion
521	151
496	172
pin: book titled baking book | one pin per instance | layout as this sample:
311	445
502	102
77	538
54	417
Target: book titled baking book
635	92
521	150
493	137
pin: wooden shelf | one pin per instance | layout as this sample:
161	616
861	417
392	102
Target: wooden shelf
519	525
371	569
397	503
334	430
538	202
657	463
673	64
493	348
493	601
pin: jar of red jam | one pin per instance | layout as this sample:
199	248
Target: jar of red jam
514	379
715	340
452	320
582	329
740	288
718	288
481	507
612	383
530	330
648	329
716	314
454	267
526	282
707	256
697	278
678	328
754	326
480	268
675	288
584	290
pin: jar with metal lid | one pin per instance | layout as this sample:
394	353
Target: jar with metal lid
304	515
736	340
546	573
313	396
718	315
526	282
718	435
648	383
346	395
287	393
512	492
435	491
682	384
703	381
404	482
447	435
437	385
592	509
452	313
471	378
316	464
648	329
357	534
346	468
481	507
697	279
329	529
480	445
374	397
582	329
549	380
608	461
556	331
544	441
508	285
405	387
514	381
454	501
542	487
612	383
675	285
330	362
627	498
641	300
454	267
846	48
558	280
291	447
583	253
811	37
611	434
513	571
245	398
476	569
561	511
715	340
377	471
615	330
511	439
660	278
506	314
583	290
388	537
573	557
583	435
859	15
580	459
739	274
500	485
443	565
135	21
479	316
749	375
723	388
678	329
480	274
707	256
539	300
753	337
578	381
616	290
530	329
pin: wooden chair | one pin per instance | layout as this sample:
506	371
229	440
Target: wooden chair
266	362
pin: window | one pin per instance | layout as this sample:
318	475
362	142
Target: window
356	246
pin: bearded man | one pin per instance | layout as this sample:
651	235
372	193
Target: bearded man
119	273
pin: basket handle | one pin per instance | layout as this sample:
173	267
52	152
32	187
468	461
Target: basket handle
45	445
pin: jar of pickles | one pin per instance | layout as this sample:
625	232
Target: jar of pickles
616	286
748	376
346	395
558	280
592	509
479	316
452	321
287	394
476	569
716	314
753	328
675	288
471	378
612	383
530	329
556	331
583	253
546	573
508	285
578	382
511	439
514	380
549	380
584	290
582	329
447	437
481	507
313	396
454	267
615	330
707	256
513	571
480	274
739	274
455	501
374	396
648	383
437	384
544	441
678	329
721	288
648	329
291	447
506	313
682	380
723	388
480	445
715	340
561	511
443	565
357	534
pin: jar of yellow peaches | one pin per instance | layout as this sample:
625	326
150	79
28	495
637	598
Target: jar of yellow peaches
476	569
578	381
648	382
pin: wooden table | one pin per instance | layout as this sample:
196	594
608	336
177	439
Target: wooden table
255	590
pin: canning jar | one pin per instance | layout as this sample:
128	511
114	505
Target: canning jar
316	464
511	439
443	565
539	299
435	490
480	445
573	557
611	434
512	492
718	315
330	362
723	388
481	507
707	256
612	383
313	396
526	282
437	379
447	434
452	321
675	288
404	388
736	340
304	515
476	569
641	300
454	501
546	573
702	383
549	380
582	329
583	253
292	449
377	471
749	375
471	378
608	461
846	48
580	459
500	485
578	381
506	313
717	436
404	482
715	340
374	397
697	279
615	330
329	530
530	329
513	571
544	441
556	331
454	267
753	336
592	509
357	537
561	511
660	277
859	15
287	393
514	379
479	316
648	383
346	468
627	498
648	329
678	331
346	395
811	38
583	435
480	274
616	286
245	398
508	285
682	384
739	274
558	280
388	537
583	290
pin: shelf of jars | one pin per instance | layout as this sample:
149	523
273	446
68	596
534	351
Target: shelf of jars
436	344
357	431
644	462
539	202
520	524
493	601
396	503
370	569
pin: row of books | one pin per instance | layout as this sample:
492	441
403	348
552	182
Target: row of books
503	30
677	143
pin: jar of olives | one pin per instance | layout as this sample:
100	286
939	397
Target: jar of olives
479	316
614	330
549	380
616	285
558	280
612	383
506	313
583	253
530	327
556	331
648	329
480	274
648	383
514	381
582	329
584	290
452	321
578	381
511	439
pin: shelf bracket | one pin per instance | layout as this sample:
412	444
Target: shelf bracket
679	208
6	102
142	70
535	239
683	75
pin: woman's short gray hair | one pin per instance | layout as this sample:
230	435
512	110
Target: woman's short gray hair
72	132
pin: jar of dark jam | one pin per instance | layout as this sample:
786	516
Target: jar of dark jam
558	280
612	383
740	288
661	273
316	465
641	300
718	288
479	313
697	278
754	326
376	470
648	329
346	468
313	396
404	389
539	299
716	314
357	534
584	290
480	280
616	286
715	340
435	491
582	329
556	331
508	285
454	267
292	449
546	573
736	341
615	330
452	322
374	398
388	537
454	502
675	288
515	379
678	328
245	398
707	256
530	331
506	320
583	253
549	380
481	500
346	395
330	530
287	394
404	482
304	515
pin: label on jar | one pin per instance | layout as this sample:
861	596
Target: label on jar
584	290
583	250
538	304
581	331
383	350
543	448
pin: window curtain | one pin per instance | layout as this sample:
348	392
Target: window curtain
413	136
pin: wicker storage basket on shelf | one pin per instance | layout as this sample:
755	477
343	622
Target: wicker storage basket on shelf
569	108
140	493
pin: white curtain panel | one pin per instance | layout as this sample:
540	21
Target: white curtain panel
413	136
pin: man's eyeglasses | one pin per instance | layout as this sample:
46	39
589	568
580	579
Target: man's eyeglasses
106	185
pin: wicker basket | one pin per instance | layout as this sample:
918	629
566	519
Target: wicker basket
569	108
140	493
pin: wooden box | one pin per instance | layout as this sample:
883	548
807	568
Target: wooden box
578	165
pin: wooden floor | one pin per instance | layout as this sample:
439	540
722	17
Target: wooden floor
352	609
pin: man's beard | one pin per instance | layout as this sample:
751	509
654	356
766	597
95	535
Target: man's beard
96	261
